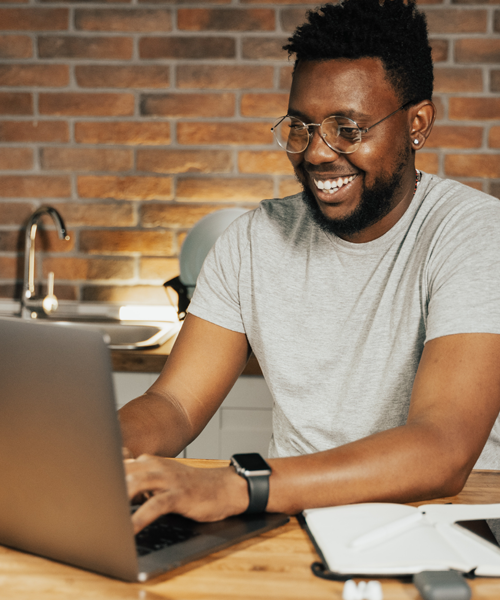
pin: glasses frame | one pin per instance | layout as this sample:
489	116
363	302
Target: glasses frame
362	130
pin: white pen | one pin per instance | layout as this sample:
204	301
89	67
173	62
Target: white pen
381	534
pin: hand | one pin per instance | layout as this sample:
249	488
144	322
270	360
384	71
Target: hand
173	487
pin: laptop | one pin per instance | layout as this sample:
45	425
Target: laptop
63	493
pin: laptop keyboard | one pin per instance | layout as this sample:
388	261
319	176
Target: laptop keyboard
165	531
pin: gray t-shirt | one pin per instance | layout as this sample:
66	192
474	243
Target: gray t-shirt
338	328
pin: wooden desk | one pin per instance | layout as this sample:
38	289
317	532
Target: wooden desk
275	565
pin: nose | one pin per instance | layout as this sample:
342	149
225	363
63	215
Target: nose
318	152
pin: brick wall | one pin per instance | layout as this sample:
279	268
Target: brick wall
137	118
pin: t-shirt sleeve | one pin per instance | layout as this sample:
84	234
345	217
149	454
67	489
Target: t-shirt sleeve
464	273
216	297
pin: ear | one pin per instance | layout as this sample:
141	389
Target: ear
421	117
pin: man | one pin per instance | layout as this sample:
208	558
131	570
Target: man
371	300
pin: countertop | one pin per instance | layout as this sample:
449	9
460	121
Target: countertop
152	361
273	565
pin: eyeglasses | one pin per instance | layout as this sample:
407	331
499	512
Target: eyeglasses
339	133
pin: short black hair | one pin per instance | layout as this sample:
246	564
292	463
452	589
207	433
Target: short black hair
393	31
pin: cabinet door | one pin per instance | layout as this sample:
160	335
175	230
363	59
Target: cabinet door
130	385
243	423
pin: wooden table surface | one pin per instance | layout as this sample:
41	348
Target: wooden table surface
275	565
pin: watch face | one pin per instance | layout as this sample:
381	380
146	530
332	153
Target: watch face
251	462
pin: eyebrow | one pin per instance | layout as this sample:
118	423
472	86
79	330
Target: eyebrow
351	114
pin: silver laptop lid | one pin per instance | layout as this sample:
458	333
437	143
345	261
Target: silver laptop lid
62	492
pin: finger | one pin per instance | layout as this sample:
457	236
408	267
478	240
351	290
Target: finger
126	453
148	512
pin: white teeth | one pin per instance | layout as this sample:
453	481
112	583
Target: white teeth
332	185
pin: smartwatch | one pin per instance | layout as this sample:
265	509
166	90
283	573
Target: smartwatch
256	471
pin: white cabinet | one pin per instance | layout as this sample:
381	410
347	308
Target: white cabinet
243	423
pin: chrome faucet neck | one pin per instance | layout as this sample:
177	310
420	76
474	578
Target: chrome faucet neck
29	301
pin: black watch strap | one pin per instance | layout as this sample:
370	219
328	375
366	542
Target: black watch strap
258	492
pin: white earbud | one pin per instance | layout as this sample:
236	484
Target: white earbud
363	591
415	141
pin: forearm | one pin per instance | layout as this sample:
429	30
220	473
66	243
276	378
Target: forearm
154	424
404	464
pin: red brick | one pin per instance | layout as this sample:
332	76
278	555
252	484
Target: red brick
34	186
138	294
495	80
274	162
476	165
62	158
427	161
476	185
474	1
11	241
47	239
495	189
286	78
96	48
451	136
496	22
159	243
10	268
264	105
15	159
264	48
84	268
159	269
98	214
188	105
34	131
123	20
34	19
474	108
439	50
15	46
182	216
478	50
450	79
15	213
130	76
224	76
456	20
126	188
16	103
224	133
77	104
290	18
225	19
187	47
34	75
238	189
184	161
289	187
122	132
177	2
494	137
438	103
79	1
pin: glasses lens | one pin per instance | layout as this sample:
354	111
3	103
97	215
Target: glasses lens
341	134
291	134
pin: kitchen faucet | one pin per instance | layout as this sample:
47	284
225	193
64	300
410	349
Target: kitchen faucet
31	305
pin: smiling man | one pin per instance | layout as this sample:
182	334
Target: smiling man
371	300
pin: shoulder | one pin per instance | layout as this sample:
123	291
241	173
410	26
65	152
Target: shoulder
452	197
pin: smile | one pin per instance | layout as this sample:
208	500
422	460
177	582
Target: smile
332	185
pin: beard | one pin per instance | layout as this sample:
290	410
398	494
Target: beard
376	202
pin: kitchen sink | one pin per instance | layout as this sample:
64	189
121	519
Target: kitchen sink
121	335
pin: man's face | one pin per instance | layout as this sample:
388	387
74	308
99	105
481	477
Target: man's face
374	185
